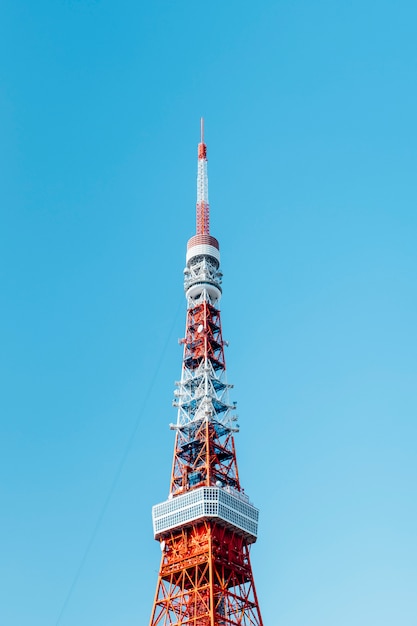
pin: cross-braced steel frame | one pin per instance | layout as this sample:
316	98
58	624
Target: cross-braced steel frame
206	579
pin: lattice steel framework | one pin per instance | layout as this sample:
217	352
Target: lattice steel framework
207	524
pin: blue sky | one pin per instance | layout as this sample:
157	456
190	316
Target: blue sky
311	128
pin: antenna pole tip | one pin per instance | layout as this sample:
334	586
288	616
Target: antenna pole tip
202	150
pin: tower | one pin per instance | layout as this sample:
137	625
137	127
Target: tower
207	525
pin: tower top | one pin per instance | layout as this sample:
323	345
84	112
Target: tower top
202	243
203	210
202	148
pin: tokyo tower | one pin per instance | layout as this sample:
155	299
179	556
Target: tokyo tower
207	525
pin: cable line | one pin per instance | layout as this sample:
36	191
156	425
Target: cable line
118	471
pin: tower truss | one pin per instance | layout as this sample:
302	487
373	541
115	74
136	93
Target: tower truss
207	525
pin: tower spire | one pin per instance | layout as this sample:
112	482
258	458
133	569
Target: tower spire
202	209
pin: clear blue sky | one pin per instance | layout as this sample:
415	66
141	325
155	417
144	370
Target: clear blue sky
310	111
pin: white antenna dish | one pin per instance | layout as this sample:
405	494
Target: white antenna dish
200	328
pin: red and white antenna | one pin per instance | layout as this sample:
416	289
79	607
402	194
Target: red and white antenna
203	210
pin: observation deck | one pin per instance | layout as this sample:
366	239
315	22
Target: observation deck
228	508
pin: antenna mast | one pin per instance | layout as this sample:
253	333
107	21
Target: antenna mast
203	209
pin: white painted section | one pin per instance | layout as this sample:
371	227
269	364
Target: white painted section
202	249
202	181
195	290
